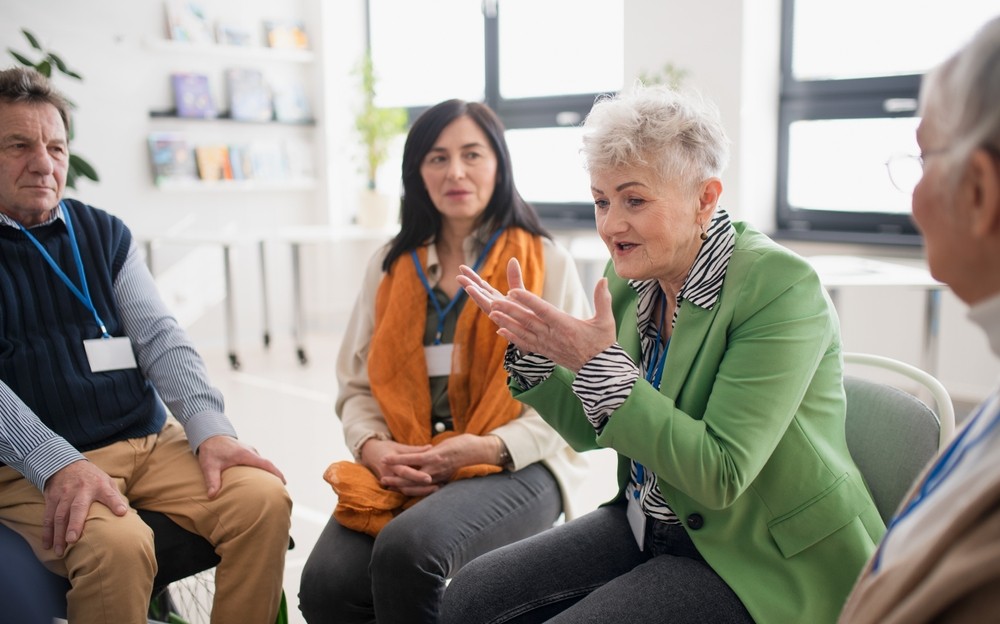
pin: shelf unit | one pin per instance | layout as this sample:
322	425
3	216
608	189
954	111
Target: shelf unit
234	131
248	53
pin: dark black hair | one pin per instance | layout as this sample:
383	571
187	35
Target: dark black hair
420	220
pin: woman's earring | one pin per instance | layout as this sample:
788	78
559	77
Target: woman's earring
704	234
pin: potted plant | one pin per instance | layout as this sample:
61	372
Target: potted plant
78	166
376	127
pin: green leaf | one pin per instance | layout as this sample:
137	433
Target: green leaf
23	60
44	68
82	168
59	62
72	74
31	39
71	177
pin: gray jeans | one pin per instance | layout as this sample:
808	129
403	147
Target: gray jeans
591	571
399	577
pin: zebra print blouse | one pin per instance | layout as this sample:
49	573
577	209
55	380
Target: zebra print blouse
605	382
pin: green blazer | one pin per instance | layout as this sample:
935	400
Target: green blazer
746	434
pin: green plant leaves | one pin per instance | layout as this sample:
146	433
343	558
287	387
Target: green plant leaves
77	167
31	39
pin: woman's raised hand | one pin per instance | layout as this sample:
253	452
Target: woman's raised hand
534	325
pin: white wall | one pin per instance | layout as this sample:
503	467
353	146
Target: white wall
729	48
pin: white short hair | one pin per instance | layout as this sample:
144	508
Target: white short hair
679	134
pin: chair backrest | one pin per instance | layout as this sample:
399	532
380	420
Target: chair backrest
891	433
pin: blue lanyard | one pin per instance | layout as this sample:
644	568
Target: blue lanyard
654	375
430	292
941	469
82	293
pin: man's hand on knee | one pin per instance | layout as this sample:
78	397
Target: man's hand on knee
68	496
220	452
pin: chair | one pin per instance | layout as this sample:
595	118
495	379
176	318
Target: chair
179	554
891	433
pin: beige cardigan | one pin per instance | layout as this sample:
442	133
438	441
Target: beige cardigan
528	438
942	563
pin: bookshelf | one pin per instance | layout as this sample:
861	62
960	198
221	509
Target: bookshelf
280	153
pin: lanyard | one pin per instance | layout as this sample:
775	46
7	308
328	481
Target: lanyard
654	374
941	469
430	292
83	293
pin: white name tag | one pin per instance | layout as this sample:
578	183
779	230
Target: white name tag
106	354
636	517
438	360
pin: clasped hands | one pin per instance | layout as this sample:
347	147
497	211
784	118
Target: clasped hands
422	470
534	325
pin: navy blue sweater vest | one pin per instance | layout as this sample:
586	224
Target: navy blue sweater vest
43	326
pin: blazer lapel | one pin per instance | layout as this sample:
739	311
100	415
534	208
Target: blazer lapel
685	345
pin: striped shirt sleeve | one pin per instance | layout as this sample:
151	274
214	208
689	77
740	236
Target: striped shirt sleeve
603	384
527	369
167	356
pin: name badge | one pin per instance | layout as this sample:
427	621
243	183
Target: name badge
106	354
636	517
438	360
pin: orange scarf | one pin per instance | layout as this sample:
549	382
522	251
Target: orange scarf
477	387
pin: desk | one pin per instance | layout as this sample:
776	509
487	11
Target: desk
226	241
836	272
295	237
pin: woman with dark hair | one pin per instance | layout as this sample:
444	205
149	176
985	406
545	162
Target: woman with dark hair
447	464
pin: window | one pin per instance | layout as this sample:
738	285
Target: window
850	81
539	65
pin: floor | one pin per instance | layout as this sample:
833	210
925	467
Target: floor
285	410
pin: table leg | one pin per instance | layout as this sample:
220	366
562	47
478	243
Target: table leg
234	360
932	325
265	316
297	315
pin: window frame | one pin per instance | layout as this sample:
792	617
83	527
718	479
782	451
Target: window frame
856	98
525	113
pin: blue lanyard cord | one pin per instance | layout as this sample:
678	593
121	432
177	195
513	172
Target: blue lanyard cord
654	375
942	468
458	296
82	293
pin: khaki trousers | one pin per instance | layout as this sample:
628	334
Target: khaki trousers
111	567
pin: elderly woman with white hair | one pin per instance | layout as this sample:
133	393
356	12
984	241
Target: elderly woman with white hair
713	367
940	559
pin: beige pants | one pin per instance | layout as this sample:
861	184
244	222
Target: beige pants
111	567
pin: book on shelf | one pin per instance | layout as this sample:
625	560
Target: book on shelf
213	162
236	32
290	102
240	163
268	160
187	21
299	156
192	95
249	97
286	33
172	158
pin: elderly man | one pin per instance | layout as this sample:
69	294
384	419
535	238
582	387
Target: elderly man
87	352
940	558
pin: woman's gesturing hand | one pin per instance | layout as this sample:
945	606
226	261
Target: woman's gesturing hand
534	325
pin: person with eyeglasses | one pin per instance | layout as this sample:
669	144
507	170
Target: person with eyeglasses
940	558
713	367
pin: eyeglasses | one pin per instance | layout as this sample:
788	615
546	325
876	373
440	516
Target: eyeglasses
905	170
